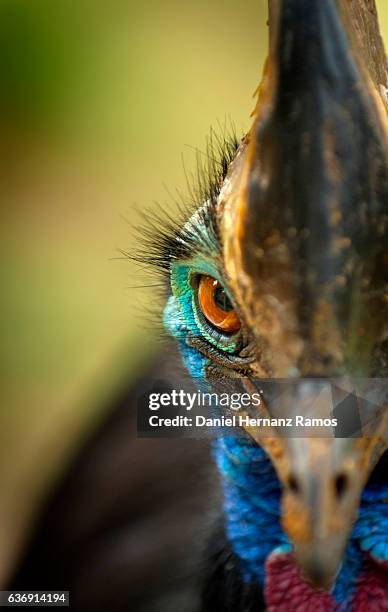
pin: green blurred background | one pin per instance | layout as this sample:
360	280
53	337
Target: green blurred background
98	101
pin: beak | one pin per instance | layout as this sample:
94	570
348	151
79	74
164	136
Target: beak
305	239
324	487
323	475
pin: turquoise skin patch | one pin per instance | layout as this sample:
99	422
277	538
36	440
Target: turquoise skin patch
182	315
178	327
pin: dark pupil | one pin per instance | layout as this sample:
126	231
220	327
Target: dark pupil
222	300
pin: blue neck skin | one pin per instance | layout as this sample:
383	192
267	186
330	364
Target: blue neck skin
251	503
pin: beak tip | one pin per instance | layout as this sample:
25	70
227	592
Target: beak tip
320	570
318	577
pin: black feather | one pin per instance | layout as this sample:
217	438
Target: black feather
224	589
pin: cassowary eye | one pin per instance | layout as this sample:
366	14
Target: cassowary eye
216	305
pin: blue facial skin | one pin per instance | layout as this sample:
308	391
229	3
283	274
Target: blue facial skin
250	486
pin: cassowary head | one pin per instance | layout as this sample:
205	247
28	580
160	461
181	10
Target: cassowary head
303	221
281	272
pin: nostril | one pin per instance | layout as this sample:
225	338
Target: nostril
293	484
341	484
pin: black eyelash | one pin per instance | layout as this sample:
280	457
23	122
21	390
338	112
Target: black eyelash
166	239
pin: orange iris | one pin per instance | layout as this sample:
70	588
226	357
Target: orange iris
216	306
